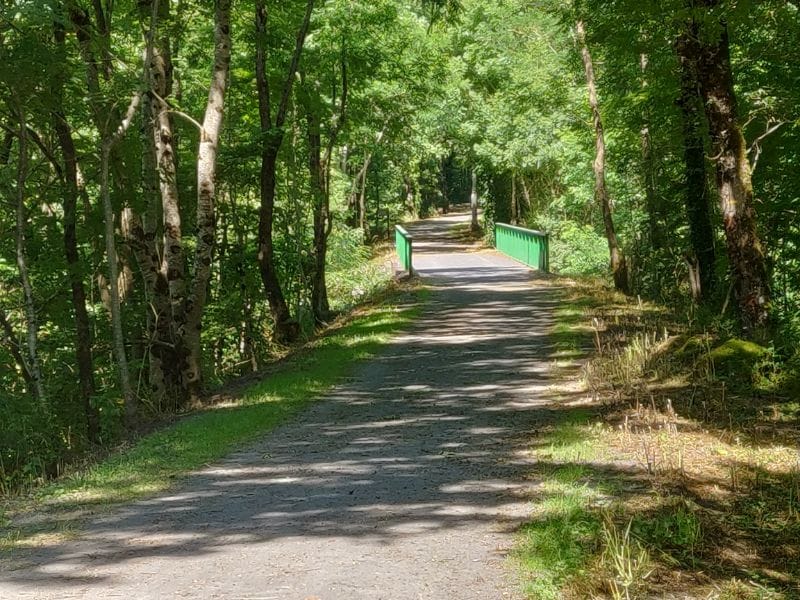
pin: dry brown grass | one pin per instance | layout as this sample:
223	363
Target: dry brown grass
720	515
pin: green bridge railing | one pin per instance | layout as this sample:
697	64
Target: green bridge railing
403	245
525	245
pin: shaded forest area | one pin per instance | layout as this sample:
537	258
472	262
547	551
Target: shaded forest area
189	187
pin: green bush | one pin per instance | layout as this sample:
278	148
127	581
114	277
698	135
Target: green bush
353	275
578	250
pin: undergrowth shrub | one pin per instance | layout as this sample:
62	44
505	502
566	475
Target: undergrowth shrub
29	446
353	274
578	250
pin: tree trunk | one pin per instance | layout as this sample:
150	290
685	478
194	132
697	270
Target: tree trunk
649	168
156	237
104	115
118	335
514	207
319	290
473	203
206	193
163	374
701	232
320	171
734	185
362	198
83	331
286	329
174	264
619	268
31	318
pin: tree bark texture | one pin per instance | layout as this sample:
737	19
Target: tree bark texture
174	263
165	355
206	195
619	267
733	172
697	201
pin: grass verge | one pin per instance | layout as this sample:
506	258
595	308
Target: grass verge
154	462
639	496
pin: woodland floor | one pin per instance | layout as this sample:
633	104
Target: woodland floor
407	481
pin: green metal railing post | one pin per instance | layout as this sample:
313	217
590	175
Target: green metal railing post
403	243
525	245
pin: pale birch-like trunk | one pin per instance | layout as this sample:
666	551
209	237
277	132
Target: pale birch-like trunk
206	193
173	265
514	207
118	335
619	268
473	203
113	273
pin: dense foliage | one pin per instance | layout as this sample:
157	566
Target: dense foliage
151	251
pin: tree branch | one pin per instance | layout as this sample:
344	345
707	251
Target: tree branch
280	117
756	145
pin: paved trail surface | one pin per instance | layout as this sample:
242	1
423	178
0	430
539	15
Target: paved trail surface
405	483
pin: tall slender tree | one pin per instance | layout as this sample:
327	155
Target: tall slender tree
285	328
619	266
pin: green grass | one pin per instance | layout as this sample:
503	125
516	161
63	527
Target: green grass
558	545
560	541
155	461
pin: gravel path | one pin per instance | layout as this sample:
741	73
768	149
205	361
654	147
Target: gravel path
406	482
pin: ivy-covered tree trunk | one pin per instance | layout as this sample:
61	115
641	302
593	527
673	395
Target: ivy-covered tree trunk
734	185
163	377
206	194
163	346
619	267
174	263
697	202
